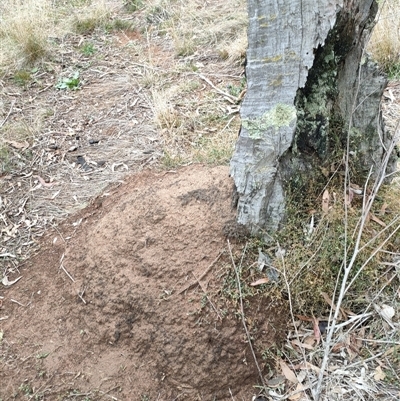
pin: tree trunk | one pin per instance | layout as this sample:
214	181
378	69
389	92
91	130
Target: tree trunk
311	93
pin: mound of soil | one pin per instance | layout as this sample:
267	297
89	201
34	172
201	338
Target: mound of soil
118	303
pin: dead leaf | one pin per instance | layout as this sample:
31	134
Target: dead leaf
391	350
303	345
387	312
355	343
383	209
349	197
260	281
325	201
379	374
287	372
304	318
308	366
310	340
43	182
317	332
297	393
377	220
343	312
337	347
357	190
8	283
328	300
276	381
18	145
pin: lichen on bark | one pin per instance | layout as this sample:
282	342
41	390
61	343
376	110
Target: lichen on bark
281	115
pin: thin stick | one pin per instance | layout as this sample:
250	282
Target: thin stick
188	287
7	255
80	295
63	268
9	113
19	303
230	98
206	294
290	298
242	310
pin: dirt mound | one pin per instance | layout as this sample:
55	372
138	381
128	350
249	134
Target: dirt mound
118	303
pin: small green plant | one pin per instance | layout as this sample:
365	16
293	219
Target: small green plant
86	26
43	355
171	161
184	45
133	5
5	159
24	76
26	389
236	90
393	71
73	82
119	25
88	49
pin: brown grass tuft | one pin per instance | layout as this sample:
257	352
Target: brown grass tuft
24	30
385	41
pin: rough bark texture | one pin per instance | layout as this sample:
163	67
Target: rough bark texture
309	84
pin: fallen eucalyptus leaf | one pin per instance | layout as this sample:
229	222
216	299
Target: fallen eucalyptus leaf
260	281
8	283
287	372
325	201
18	145
379	374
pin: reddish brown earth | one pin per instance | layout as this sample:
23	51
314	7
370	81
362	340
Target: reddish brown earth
124	300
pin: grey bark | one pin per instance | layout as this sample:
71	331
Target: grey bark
309	80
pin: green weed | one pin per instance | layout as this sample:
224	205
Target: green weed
73	82
86	26
119	25
22	77
88	49
133	5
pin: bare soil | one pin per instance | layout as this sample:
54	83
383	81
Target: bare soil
124	300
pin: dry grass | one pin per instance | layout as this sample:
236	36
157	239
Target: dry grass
194	24
30	29
385	41
25	28
86	19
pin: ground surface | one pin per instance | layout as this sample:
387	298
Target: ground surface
127	322
133	296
